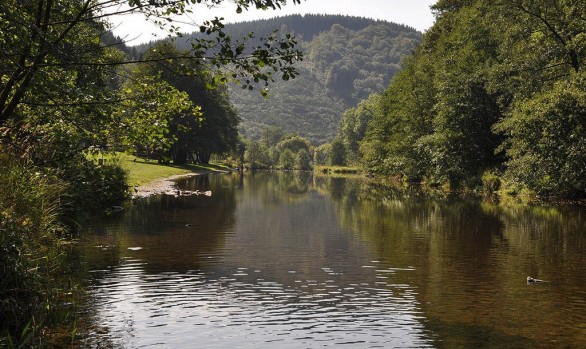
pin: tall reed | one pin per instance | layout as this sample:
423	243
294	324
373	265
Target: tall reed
31	250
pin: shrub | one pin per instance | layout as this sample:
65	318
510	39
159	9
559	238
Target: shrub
93	187
30	247
491	181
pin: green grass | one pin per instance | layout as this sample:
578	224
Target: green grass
337	170
141	171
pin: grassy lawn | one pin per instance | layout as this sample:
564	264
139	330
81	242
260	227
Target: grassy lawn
141	171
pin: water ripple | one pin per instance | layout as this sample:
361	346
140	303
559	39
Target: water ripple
228	307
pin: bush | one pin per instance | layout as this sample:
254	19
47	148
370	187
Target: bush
40	205
30	248
491	182
93	187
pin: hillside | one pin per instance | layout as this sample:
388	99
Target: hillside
343	64
346	60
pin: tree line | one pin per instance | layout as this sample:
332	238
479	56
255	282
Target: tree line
495	95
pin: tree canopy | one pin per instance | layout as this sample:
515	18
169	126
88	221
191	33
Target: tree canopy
495	86
49	44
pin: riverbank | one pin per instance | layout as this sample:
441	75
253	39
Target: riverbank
162	185
148	177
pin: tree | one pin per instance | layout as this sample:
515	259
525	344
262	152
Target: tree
490	76
541	69
354	124
303	160
338	154
393	143
547	140
462	144
51	44
257	156
558	27
216	130
294	144
287	160
322	153
153	114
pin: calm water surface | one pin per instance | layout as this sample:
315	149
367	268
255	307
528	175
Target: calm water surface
295	261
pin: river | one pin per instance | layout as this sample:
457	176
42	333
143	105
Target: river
283	260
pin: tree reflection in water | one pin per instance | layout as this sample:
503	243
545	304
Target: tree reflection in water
297	260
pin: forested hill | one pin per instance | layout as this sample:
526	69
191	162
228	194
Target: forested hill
305	27
346	59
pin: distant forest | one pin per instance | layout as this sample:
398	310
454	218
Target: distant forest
345	60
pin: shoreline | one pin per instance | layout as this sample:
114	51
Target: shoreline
161	185
166	185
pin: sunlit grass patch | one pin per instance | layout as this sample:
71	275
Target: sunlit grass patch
337	170
141	171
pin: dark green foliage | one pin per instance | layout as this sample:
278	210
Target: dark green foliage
271	136
194	118
495	87
287	160
338	154
277	150
547	140
303	160
60	152
346	61
294	143
255	156
354	124
30	248
321	154
305	27
92	188
356	64
394	141
303	106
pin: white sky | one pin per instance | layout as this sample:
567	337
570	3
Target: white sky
414	13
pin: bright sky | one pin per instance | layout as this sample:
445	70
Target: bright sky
414	13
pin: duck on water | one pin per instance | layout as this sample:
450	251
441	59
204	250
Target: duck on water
531	280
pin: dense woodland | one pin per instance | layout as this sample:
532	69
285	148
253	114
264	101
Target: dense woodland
345	60
496	93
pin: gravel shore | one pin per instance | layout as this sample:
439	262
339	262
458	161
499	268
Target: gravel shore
159	186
